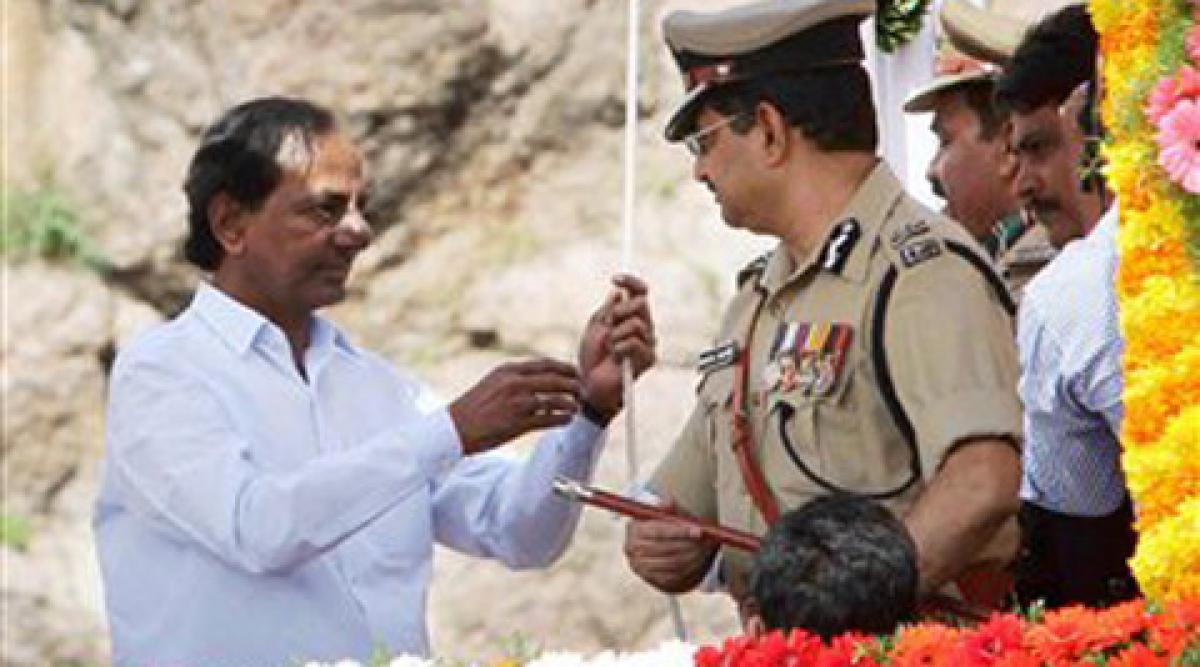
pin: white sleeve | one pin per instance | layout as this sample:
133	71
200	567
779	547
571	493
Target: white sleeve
497	506
178	459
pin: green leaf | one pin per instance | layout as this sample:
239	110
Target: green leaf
15	532
44	223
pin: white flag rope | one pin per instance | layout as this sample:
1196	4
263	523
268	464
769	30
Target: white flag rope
630	182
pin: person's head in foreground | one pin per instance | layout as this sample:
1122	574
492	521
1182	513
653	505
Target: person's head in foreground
836	564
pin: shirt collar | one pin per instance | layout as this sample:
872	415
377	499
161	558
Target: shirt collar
327	335
1109	222
240	326
870	205
234	322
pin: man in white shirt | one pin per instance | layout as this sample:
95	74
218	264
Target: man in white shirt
1076	512
272	492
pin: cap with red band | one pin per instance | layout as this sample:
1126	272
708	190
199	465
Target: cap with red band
776	37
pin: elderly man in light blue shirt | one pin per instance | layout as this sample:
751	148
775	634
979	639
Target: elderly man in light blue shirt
272	492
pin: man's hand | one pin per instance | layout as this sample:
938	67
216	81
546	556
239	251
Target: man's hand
669	556
620	329
513	399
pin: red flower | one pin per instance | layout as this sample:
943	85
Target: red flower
1018	658
849	650
990	641
1065	634
1177	627
1139	655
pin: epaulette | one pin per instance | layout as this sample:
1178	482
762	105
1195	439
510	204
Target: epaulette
913	243
753	269
918	241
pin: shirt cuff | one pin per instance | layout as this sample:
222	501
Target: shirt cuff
434	439
579	443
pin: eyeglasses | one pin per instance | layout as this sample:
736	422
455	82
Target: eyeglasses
695	141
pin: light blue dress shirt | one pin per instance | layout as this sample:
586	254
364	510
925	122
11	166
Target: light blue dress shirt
1070	346
248	518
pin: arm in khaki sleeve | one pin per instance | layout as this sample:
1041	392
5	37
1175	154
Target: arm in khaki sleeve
954	364
963	516
668	556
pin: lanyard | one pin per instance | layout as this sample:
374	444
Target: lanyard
743	443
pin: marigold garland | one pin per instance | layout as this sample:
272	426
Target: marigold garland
1151	50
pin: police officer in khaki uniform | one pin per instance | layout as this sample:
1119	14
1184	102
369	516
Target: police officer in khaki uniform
871	351
974	170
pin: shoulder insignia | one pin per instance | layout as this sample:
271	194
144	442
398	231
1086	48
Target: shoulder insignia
837	250
919	251
909	231
753	269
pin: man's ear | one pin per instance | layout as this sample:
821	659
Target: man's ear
776	133
228	223
1008	162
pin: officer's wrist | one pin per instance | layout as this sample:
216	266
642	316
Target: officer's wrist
594	414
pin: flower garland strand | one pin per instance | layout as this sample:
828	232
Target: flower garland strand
1125	635
1151	73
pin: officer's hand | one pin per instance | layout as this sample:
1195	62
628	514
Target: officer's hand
669	556
620	329
513	399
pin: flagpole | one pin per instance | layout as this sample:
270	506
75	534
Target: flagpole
627	217
630	181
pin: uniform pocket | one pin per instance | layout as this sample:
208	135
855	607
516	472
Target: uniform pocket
818	438
716	395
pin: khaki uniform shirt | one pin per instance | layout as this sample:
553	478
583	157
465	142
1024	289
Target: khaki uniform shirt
813	391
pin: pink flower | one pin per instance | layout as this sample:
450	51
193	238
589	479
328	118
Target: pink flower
1179	144
1167	93
1193	43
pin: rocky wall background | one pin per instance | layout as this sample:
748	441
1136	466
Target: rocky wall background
494	131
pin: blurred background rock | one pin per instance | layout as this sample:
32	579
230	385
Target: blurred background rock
494	131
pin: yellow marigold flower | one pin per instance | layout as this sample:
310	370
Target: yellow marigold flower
1131	172
1160	221
1167	562
1155	393
1153	259
1107	14
1163	472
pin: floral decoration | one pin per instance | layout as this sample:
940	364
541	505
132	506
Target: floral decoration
897	22
1127	634
1151	52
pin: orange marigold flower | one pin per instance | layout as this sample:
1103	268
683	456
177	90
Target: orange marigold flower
1139	655
925	645
1066	634
1122	623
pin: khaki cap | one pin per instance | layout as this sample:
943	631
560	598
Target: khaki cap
958	72
986	35
713	49
978	42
